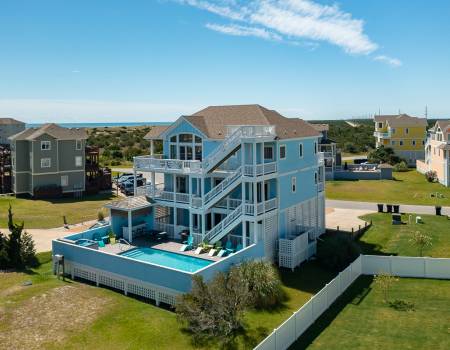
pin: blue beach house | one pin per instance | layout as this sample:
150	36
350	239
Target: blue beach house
232	183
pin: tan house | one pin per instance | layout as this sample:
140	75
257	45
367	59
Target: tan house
437	152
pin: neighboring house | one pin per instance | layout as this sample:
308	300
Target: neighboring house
8	128
404	134
437	152
48	156
241	177
332	155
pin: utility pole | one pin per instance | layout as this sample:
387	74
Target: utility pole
426	112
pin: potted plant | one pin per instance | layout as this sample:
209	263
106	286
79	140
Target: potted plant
112	237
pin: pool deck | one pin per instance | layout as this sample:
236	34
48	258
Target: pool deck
170	246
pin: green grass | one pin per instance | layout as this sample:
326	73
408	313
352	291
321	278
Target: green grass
384	238
360	319
408	188
127	323
49	213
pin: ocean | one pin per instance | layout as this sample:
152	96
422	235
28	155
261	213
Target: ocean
101	125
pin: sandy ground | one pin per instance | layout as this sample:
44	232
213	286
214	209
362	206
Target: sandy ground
346	219
43	237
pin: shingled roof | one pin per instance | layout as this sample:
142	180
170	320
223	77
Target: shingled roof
401	120
54	130
10	121
155	132
213	121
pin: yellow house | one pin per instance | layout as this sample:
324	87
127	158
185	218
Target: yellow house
437	152
406	135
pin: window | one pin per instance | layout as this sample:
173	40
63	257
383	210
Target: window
413	142
406	131
64	181
173	152
46	162
315	147
293	184
315	177
423	142
393	130
283	152
380	125
300	150
46	145
173	138
198	139
268	152
185	138
78	161
393	143
401	143
78	145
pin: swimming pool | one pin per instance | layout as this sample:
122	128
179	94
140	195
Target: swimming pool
173	260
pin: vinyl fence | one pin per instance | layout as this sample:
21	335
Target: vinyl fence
290	330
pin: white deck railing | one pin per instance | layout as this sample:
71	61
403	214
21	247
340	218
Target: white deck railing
149	163
158	192
260	169
223	225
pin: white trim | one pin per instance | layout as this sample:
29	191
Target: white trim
164	134
58	172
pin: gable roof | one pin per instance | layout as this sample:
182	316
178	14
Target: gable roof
401	120
443	124
155	132
213	121
10	121
54	130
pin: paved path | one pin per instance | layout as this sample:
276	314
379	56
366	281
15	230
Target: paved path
404	208
346	219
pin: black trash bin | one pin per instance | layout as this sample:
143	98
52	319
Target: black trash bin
396	209
389	208
380	208
438	210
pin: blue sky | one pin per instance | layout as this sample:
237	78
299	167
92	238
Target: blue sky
77	61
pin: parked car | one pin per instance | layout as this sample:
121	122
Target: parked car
128	186
125	178
122	176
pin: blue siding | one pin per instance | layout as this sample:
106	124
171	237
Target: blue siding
293	160
209	146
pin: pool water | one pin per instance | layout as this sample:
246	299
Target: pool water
173	260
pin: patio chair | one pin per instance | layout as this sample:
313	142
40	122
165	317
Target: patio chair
187	245
99	238
212	252
229	247
199	250
222	253
238	247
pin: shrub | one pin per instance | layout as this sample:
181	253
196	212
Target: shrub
337	251
263	280
401	167
100	215
383	155
431	176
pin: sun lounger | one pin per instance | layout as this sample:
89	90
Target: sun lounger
212	252
229	247
187	245
239	247
198	251
222	253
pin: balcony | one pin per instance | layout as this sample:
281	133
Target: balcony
381	134
149	163
252	131
261	208
158	193
260	169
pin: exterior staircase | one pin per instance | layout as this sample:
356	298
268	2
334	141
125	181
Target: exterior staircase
225	226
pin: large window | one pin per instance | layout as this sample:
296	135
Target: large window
78	161
46	162
185	138
268	152
282	152
185	147
46	145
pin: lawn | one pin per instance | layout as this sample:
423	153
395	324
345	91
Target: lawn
75	315
387	239
49	213
408	187
360	319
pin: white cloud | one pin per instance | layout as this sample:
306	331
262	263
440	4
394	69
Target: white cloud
393	62
46	110
238	30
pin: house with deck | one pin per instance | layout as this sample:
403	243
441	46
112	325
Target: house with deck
437	152
406	135
239	182
331	154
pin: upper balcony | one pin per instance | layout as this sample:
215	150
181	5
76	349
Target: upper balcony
177	166
382	134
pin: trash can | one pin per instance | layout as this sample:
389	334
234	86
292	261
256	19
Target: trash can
380	208
396	209
438	210
389	208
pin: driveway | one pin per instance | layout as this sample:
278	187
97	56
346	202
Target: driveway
404	208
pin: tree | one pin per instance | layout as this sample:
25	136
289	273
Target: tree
384	281
215	308
337	251
263	282
4	260
383	155
421	241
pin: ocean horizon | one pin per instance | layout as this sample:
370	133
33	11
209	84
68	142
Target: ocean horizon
99	125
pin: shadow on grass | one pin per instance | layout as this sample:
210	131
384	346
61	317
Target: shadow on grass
354	295
88	198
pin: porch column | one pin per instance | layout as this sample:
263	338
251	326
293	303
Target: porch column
134	182
255	189
203	212
152	148
244	233
130	226
174	221
174	184
152	153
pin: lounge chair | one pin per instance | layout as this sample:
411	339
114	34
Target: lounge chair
187	245
212	252
222	253
198	251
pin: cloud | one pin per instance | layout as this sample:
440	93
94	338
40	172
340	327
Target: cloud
238	30
293	20
51	110
393	62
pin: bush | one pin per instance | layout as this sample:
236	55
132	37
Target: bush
100	215
383	155
263	282
431	176
401	167
337	251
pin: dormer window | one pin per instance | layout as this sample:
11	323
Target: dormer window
380	125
